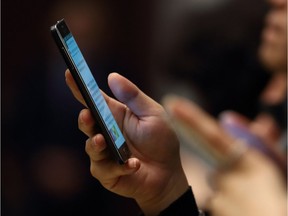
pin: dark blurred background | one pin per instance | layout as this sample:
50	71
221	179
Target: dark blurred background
205	50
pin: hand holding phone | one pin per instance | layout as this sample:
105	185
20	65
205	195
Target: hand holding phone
90	90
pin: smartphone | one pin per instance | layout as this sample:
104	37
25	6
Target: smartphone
90	91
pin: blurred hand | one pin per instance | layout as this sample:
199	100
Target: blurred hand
203	127
232	132
153	176
250	183
254	186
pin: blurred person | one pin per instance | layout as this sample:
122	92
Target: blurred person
270	125
266	132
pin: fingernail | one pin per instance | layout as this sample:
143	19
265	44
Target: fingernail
226	117
133	163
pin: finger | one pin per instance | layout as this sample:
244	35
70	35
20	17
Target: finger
99	153
73	87
266	128
128	93
86	123
103	166
261	133
199	122
109	172
96	148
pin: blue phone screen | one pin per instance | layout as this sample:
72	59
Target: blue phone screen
94	90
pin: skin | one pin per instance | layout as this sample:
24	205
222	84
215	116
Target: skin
273	48
273	52
153	176
254	187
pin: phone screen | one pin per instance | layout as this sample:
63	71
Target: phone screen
90	90
94	90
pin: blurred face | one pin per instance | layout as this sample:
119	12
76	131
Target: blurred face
273	49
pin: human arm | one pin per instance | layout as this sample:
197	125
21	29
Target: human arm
153	176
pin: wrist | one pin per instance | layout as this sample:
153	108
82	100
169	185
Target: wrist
175	187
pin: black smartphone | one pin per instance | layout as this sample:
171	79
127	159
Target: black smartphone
90	90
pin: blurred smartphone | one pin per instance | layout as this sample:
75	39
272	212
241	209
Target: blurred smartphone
241	132
90	90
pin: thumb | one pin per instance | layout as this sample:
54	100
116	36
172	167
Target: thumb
128	93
